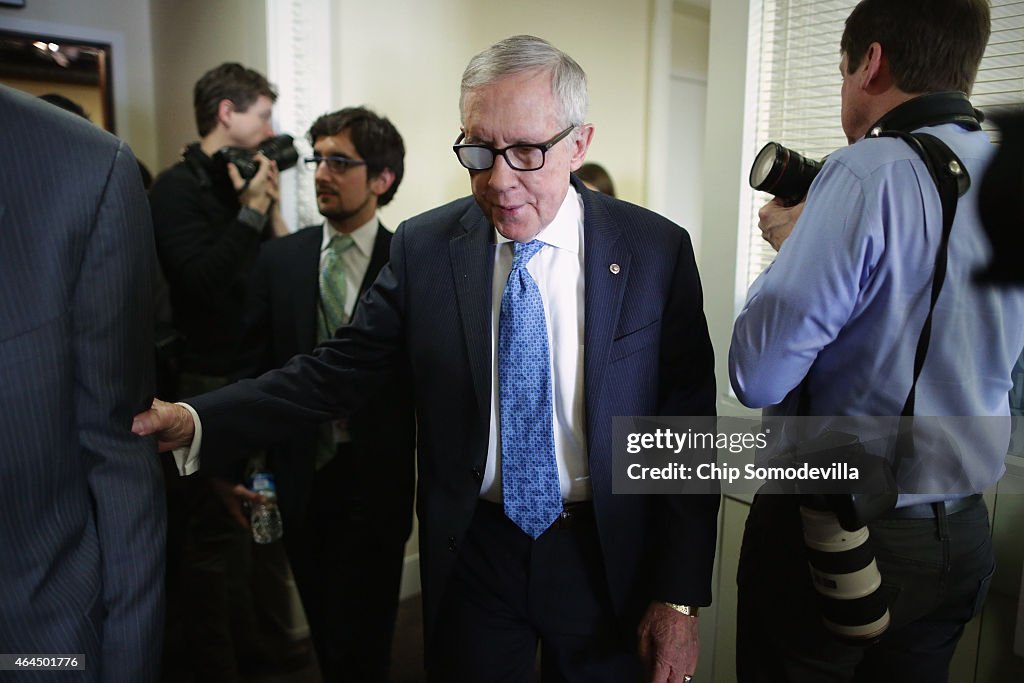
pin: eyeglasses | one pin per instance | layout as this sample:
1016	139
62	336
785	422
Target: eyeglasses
521	157
335	164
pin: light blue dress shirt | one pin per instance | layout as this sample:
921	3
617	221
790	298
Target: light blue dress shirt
841	309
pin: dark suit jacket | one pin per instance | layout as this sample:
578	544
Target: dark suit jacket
647	353
280	321
81	497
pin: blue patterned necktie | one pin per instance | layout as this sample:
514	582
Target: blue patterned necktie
529	474
333	287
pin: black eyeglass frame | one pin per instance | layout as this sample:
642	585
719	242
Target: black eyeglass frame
495	152
344	162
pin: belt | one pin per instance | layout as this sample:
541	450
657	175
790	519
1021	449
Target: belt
930	510
572	514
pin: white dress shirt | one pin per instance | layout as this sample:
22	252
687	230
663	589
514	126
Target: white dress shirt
558	271
356	259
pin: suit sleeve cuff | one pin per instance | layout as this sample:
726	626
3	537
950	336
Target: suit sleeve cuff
187	458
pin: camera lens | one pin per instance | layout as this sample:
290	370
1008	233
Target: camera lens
281	150
845	576
766	161
783	173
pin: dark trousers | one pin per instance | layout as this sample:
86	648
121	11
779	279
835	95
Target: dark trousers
347	562
509	592
225	613
935	574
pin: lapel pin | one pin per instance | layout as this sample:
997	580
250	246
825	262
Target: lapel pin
614	268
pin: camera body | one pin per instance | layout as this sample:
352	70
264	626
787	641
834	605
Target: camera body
279	149
1001	202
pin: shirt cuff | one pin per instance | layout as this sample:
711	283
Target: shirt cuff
187	457
252	218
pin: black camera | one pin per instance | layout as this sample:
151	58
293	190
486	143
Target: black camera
279	149
1001	202
783	173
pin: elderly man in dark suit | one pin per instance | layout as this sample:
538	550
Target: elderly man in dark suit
345	487
528	318
81	497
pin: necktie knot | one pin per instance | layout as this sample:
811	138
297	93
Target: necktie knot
340	243
524	252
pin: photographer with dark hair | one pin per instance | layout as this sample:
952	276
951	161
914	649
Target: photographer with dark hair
209	221
209	224
829	330
345	488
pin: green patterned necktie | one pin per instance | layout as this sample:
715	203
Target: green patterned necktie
333	288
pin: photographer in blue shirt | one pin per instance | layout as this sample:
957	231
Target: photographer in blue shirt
830	329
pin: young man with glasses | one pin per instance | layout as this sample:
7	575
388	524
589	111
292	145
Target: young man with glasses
345	487
527	316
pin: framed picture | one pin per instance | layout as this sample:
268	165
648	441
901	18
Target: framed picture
78	71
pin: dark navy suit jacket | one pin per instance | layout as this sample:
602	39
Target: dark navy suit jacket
281	320
81	498
647	352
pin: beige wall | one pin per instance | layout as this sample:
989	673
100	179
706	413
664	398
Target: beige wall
405	58
126	23
189	38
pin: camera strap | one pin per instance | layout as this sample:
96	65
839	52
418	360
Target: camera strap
951	181
196	160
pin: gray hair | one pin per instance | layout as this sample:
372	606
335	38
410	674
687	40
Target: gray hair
523	53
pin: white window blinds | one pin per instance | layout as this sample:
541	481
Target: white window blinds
795	45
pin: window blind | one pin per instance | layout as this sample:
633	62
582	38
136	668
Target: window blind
797	101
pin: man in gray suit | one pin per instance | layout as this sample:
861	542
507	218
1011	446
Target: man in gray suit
81	498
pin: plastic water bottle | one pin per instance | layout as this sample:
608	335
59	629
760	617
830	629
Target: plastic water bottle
266	517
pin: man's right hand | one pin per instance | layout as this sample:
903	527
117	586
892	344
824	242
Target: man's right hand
777	221
260	191
172	425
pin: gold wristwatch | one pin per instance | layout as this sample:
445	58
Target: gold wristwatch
686	610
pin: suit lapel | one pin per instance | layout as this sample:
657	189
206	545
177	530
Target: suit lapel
472	258
606	266
379	257
305	289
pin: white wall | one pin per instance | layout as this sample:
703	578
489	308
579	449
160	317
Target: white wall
723	176
405	58
125	24
688	87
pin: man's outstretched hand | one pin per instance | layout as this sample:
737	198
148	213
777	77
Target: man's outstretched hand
172	425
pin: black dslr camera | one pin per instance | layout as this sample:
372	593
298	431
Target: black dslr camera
279	149
1001	202
783	173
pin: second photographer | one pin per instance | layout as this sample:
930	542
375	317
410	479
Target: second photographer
831	329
